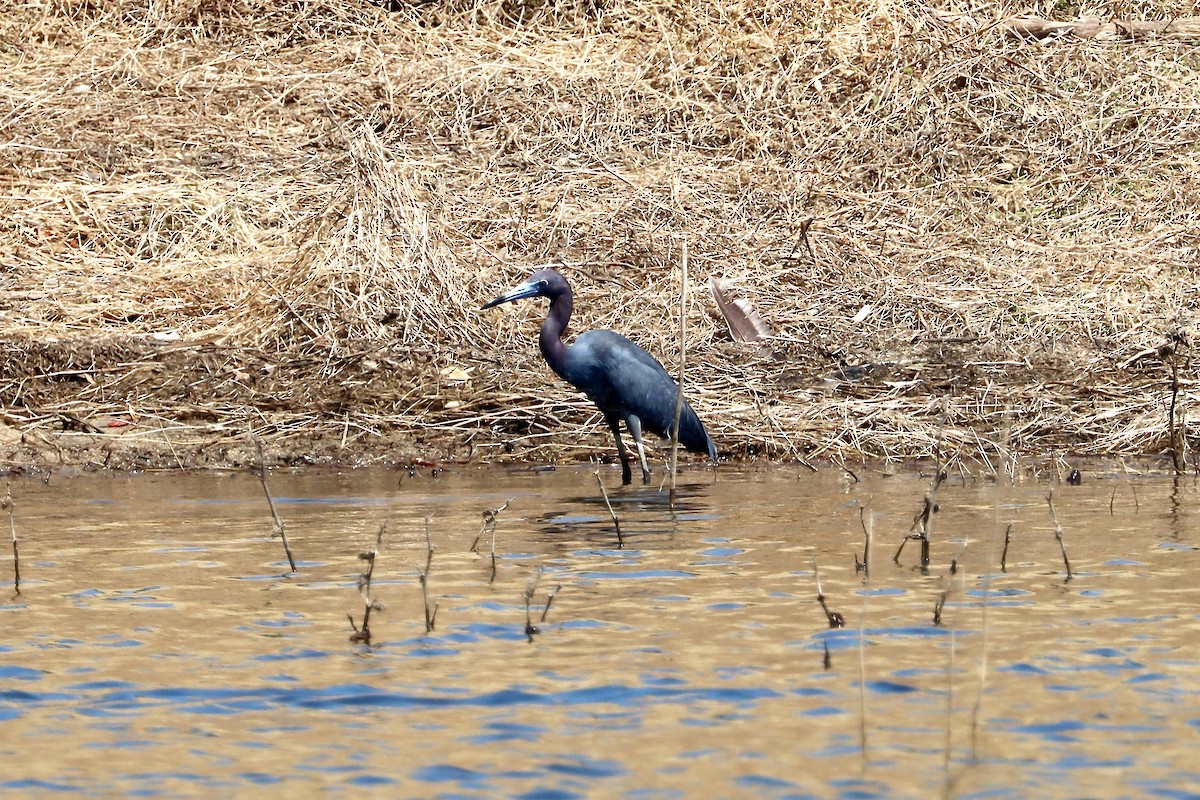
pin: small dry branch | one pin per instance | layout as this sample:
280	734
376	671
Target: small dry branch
947	586
683	288
12	525
611	513
362	633
868	525
530	590
922	521
836	620
423	576
1058	531
489	526
1037	29
1004	552
1175	351
277	528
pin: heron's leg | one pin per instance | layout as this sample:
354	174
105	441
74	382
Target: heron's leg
635	430
615	424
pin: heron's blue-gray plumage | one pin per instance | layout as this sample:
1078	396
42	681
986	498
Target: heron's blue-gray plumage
624	381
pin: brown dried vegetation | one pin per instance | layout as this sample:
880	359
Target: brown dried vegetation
222	215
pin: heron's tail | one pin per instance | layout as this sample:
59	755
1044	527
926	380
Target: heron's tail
692	434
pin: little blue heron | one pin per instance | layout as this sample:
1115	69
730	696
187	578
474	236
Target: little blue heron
623	380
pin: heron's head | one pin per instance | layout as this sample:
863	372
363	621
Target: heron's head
543	283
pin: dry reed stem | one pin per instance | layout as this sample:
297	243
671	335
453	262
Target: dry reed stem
489	525
226	213
423	578
1058	532
868	526
1004	551
683	290
834	618
362	633
923	521
530	590
7	504
553	593
612	514
277	527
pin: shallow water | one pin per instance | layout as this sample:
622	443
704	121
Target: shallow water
160	646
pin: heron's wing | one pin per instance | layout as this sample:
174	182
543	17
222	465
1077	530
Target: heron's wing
622	379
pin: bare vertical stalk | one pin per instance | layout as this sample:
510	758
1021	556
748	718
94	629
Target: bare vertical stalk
550	599
1176	431
947	587
7	502
423	576
922	522
977	708
683	289
1004	552
868	525
1058	531
611	513
862	670
489	526
835	619
530	590
277	528
947	778
362	633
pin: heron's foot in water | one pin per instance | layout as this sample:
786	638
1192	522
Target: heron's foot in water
645	476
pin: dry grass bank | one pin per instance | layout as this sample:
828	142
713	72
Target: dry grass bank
222	215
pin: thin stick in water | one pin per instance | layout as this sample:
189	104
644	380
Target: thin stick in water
922	522
362	633
682	363
835	619
868	525
12	524
947	585
1004	552
1175	431
277	528
423	576
611	513
489	524
1058	531
550	599
530	590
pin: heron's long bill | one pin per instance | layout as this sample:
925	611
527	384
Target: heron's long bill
527	289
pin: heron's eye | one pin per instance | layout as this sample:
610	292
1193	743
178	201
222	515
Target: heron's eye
542	285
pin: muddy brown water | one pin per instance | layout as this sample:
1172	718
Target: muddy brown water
159	646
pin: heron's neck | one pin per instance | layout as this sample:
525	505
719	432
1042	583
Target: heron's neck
550	339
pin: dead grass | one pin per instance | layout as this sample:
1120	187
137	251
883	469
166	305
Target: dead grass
221	215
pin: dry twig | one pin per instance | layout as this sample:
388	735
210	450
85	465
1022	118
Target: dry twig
7	504
277	528
423	577
612	514
835	619
1058	531
362	633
